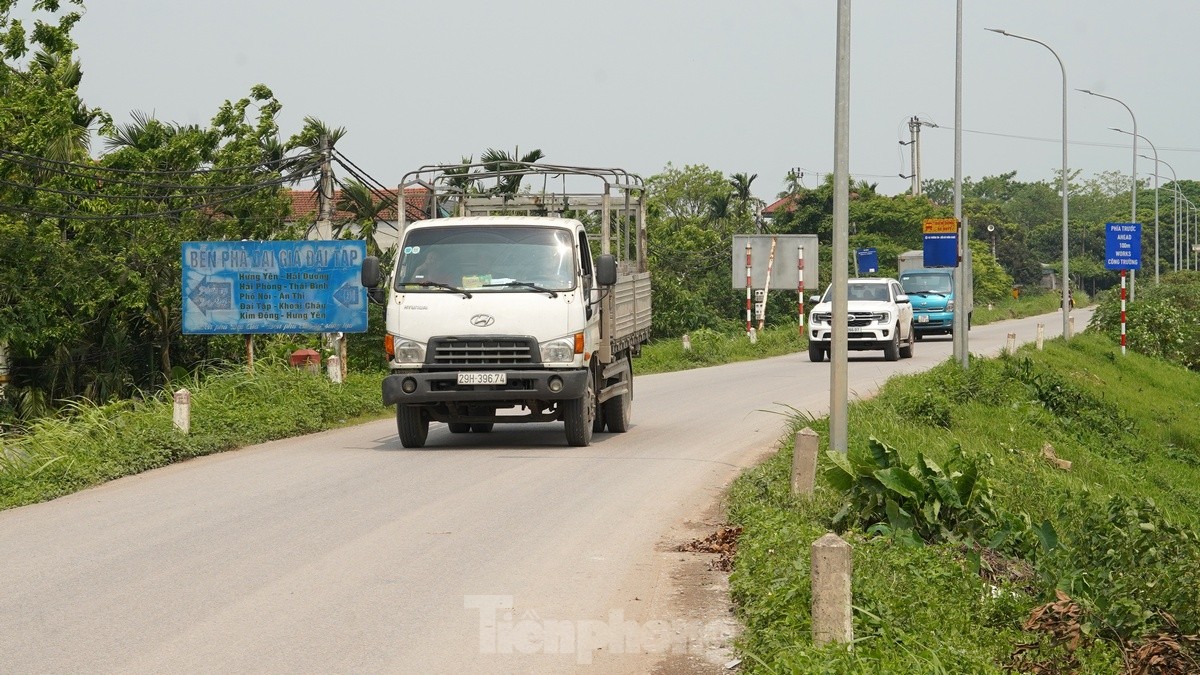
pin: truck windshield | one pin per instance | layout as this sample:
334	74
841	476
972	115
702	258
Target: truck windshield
487	259
932	282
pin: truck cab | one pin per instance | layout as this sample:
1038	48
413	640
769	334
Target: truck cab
934	300
934	294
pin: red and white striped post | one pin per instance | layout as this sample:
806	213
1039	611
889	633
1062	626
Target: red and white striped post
1122	312
749	302
800	286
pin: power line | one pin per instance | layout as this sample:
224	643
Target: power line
246	191
36	163
158	172
1057	140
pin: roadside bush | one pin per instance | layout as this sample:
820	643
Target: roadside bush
1162	323
1125	562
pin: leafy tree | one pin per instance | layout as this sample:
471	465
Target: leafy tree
691	251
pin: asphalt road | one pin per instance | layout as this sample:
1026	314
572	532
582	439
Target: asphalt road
343	552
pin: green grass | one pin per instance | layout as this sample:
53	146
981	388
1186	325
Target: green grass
712	348
1029	304
89	444
1129	425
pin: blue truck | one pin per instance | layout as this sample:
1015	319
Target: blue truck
933	294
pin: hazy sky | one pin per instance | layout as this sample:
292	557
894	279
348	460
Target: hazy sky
740	86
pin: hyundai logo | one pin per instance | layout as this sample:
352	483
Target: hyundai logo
482	320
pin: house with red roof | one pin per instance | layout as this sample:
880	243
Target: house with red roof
304	210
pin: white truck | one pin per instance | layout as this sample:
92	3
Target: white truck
507	306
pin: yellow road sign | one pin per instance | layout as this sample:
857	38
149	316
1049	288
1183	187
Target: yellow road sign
940	225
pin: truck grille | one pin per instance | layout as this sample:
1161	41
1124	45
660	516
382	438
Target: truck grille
483	351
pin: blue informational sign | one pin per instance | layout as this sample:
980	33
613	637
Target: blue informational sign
941	250
1123	246
941	242
868	260
273	287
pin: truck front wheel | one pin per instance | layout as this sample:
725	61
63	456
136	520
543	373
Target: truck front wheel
578	415
619	409
413	425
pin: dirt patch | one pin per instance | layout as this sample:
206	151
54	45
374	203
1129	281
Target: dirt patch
696	591
723	542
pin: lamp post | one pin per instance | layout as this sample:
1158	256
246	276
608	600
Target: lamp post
1133	181
1066	271
1175	185
1136	136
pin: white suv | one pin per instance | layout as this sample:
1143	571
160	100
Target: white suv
880	317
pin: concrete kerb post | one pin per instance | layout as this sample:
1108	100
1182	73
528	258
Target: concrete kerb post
804	462
832	615
183	411
1041	336
1011	345
334	365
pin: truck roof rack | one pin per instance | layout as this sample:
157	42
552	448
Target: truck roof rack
609	201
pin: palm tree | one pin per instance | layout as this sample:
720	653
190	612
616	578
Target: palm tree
740	183
460	180
359	201
66	74
312	138
501	161
719	208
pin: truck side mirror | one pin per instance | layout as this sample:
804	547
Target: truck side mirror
370	272
377	296
814	299
902	299
606	270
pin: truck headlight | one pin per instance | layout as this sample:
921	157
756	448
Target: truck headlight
557	351
409	351
949	305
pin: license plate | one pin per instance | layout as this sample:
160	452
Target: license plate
922	319
483	378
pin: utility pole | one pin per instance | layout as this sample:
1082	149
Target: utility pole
336	342
914	147
914	134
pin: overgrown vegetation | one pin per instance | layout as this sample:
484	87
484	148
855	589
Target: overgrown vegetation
90	444
1163	322
974	550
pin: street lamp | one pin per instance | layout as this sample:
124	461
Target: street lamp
1175	185
1066	272
1133	185
1136	136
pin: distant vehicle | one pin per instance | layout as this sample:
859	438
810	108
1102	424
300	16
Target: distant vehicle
933	294
880	317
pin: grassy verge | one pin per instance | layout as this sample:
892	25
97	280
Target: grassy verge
1029	304
712	348
944	587
93	444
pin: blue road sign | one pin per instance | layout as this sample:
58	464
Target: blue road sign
273	287
1123	246
941	250
868	260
